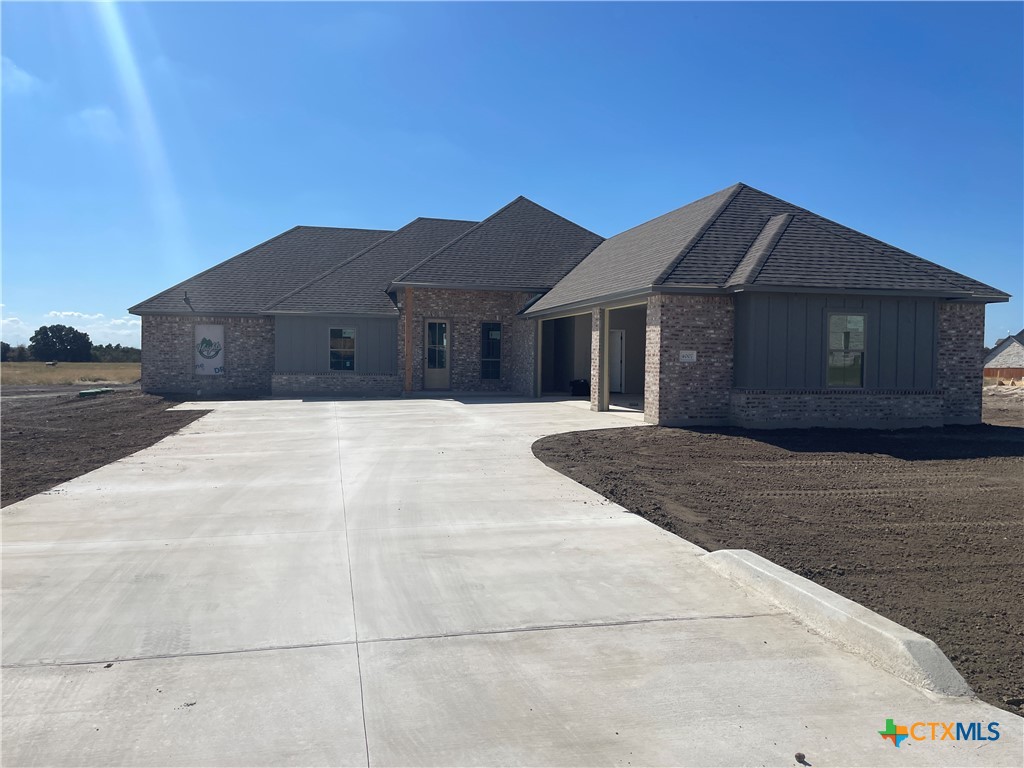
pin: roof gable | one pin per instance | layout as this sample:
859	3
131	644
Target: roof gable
812	252
359	284
522	246
742	239
249	281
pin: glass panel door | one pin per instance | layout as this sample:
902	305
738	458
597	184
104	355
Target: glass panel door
435	373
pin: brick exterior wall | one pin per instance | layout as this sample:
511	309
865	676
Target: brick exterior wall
678	393
597	357
335	383
961	357
523	351
869	409
168	356
466	311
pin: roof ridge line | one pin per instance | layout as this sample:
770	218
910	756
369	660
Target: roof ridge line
336	267
663	275
753	269
347	229
476	226
210	269
438	218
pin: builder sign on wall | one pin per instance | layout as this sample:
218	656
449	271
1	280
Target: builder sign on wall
209	350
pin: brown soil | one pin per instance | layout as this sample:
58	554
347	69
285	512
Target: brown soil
48	436
1003	405
923	526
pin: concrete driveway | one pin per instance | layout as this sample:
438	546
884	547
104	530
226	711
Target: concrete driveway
402	583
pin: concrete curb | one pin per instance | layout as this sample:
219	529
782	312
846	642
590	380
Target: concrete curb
888	645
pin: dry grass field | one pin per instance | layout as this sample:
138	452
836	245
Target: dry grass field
22	374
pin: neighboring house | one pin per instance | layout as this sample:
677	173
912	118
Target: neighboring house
739	308
1006	360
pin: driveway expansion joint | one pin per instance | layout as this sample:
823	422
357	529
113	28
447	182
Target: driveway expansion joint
351	583
186	655
577	625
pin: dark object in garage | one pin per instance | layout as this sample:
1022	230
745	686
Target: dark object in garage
580	388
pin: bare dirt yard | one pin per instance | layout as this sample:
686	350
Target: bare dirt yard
923	526
49	435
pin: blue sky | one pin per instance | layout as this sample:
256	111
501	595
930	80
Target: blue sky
145	142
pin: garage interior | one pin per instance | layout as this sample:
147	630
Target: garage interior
566	354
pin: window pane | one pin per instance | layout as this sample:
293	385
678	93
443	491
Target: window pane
845	351
343	361
490	350
431	357
432	334
490	341
441	357
343	349
442	334
845	369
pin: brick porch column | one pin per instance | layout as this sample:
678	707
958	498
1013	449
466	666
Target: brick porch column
599	359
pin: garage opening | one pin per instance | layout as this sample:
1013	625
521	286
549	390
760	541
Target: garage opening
565	355
627	352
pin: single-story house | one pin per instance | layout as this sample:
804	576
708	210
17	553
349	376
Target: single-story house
1006	360
739	308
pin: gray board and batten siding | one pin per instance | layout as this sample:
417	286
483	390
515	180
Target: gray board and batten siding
781	340
302	343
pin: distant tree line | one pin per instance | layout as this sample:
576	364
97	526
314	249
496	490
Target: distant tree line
18	354
115	354
62	343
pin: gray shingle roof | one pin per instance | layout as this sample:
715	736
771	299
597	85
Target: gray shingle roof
359	284
636	258
522	246
741	238
249	281
753	262
813	252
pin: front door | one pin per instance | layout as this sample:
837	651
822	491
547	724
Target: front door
435	371
616	360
